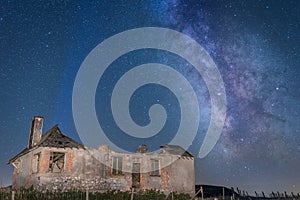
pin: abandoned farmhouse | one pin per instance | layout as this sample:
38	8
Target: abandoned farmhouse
54	161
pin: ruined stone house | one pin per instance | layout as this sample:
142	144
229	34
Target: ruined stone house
54	161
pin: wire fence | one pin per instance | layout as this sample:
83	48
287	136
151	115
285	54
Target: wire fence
31	194
208	192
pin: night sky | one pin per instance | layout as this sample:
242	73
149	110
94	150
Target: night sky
254	44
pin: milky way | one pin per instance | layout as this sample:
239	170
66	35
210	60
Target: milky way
260	141
255	46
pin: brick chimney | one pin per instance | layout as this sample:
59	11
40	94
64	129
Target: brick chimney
142	149
35	131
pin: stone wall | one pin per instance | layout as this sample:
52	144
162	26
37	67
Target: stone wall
95	183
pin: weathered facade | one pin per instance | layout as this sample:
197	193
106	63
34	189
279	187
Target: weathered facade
56	162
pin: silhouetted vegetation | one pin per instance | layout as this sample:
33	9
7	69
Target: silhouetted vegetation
31	194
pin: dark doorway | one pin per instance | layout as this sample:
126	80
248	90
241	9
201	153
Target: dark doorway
136	175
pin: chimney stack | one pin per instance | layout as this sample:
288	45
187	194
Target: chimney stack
35	131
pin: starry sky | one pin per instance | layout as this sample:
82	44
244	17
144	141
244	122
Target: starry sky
255	45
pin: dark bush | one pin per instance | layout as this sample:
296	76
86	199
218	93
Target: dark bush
31	194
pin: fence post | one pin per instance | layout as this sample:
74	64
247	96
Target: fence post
87	194
13	195
132	191
232	195
200	190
